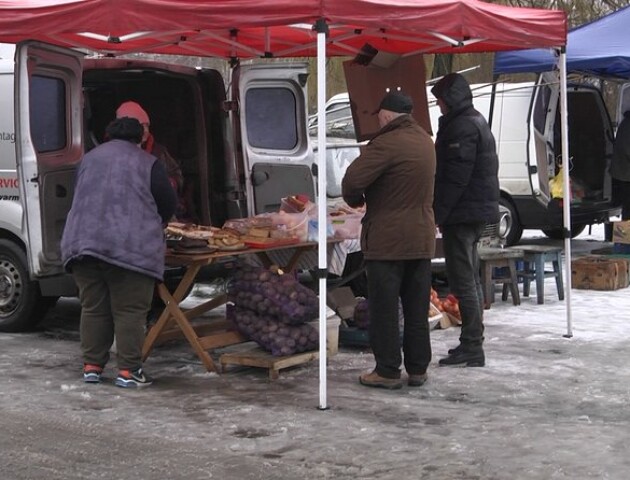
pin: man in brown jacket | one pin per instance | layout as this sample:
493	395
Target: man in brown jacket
394	177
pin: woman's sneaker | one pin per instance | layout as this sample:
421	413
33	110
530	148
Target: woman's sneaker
132	379
92	373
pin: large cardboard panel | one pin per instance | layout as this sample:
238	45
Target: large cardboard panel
368	84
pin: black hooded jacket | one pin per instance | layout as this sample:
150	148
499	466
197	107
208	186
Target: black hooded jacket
466	177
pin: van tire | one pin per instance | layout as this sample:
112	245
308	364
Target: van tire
514	230
556	233
21	303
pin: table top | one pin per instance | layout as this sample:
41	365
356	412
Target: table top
177	258
538	248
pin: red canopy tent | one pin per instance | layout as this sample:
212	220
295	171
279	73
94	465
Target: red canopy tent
286	28
279	28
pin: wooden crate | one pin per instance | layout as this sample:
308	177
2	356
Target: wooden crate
621	232
599	273
254	356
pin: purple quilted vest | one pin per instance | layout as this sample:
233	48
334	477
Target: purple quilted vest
114	216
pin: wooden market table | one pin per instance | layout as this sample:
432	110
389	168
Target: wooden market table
175	321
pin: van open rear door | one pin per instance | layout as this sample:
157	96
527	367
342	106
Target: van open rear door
271	125
624	101
48	113
541	152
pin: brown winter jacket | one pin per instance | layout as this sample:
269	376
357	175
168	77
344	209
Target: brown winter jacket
394	177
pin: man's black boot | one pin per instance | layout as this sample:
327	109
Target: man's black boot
464	359
458	349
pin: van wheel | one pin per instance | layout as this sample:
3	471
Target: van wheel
21	304
556	233
510	229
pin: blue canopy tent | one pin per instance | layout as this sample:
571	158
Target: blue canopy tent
601	48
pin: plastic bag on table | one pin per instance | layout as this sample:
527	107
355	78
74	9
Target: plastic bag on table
313	230
298	204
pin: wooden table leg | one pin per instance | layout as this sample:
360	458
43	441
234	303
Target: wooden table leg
189	332
516	298
173	312
165	317
486	284
540	278
155	331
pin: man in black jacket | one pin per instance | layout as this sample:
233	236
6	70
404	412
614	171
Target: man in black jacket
466	199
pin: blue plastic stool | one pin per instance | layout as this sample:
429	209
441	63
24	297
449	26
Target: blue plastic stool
535	257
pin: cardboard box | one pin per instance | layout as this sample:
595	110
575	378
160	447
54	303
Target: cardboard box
342	301
621	232
599	273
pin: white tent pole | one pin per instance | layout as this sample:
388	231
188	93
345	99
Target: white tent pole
566	203
321	206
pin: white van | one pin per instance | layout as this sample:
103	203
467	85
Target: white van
525	121
239	155
526	125
337	110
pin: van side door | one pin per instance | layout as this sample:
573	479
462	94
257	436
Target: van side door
270	124
48	116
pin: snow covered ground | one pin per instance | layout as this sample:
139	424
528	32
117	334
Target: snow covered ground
544	407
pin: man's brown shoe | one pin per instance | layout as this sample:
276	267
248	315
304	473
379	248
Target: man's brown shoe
417	380
373	379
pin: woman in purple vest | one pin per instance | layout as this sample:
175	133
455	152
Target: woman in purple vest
113	243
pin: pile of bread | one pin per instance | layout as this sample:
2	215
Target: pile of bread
262	229
234	235
219	238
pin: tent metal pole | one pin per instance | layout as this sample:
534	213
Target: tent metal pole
321	206
566	203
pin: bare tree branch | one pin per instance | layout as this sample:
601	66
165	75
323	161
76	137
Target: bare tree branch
578	11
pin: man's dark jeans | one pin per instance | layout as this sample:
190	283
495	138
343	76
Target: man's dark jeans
409	280
462	269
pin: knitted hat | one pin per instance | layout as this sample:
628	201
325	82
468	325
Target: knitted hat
132	110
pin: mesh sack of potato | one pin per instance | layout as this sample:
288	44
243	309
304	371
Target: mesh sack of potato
269	293
361	315
272	335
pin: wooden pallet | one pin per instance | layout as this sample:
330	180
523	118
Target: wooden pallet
254	356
